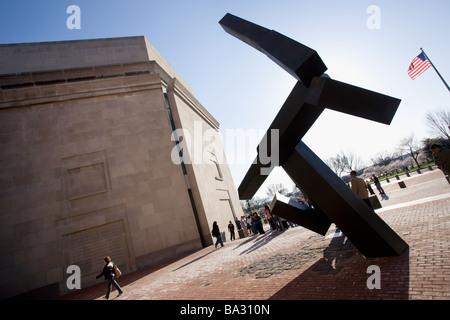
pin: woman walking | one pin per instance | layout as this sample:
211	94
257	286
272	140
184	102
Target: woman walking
110	275
216	233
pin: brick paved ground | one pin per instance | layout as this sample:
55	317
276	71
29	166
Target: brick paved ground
299	264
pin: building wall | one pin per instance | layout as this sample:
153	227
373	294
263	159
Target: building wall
88	177
208	172
87	168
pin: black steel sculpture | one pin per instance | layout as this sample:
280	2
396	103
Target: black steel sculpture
333	200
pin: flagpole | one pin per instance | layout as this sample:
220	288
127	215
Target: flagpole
448	88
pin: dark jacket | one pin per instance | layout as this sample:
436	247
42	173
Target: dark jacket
108	271
215	231
442	160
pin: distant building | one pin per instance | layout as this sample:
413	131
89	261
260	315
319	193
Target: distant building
89	163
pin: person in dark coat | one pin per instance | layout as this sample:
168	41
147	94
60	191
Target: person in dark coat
110	276
231	229
378	185
441	158
258	223
216	233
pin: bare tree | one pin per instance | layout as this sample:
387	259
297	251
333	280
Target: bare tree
244	205
438	123
383	158
344	161
259	202
410	146
272	189
354	162
253	204
335	164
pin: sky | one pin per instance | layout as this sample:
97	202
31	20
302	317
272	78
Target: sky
369	44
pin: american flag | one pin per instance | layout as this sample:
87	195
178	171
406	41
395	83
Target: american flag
418	66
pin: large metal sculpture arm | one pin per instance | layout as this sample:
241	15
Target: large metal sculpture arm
310	96
301	62
333	200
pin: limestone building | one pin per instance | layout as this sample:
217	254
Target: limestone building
91	167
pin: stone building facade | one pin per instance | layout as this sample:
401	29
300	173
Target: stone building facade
89	163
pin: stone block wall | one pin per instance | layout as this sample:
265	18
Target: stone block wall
85	140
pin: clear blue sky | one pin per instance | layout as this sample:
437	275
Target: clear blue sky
241	87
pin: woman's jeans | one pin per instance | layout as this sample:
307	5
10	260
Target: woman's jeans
112	281
219	240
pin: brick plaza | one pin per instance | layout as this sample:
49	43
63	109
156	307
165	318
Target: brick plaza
300	264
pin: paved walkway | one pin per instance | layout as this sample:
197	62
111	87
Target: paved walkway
300	264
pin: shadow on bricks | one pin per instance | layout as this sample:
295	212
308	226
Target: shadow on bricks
342	273
261	240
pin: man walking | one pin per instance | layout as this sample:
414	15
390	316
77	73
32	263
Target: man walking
360	188
231	228
378	185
